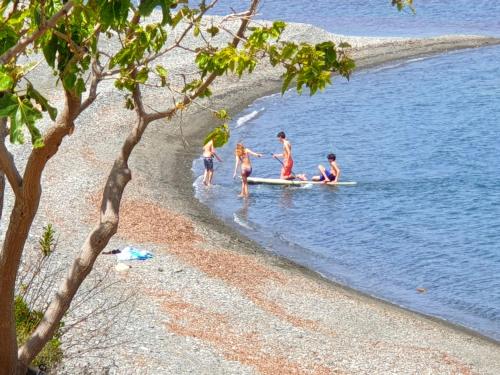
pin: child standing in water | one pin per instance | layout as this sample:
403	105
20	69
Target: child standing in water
242	157
286	171
208	161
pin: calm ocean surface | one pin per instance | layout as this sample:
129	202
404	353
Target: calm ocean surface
421	138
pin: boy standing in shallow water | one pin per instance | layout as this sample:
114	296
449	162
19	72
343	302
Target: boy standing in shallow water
286	170
208	161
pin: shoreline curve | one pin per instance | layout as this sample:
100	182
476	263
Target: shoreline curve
368	52
234	96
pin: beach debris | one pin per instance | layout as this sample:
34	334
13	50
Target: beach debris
121	267
421	290
132	253
114	251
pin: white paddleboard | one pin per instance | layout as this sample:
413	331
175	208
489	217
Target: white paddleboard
279	181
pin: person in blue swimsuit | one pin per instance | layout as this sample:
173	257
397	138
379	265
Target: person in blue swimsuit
329	176
208	162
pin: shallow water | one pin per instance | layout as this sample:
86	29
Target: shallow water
421	138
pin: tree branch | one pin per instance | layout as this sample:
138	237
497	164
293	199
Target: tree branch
182	36
24	42
7	163
96	78
189	98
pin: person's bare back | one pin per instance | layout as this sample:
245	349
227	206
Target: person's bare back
208	149
208	161
287	149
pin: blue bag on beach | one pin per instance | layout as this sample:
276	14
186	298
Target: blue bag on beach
132	253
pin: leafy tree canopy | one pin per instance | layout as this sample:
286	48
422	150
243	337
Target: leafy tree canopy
67	36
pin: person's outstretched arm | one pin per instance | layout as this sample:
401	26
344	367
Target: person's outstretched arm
258	154
216	156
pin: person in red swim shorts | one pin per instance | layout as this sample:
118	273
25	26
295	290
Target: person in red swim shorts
286	170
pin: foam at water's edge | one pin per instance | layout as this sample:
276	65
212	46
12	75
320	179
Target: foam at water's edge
246	118
241	222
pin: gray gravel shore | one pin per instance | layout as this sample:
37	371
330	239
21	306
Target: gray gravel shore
212	301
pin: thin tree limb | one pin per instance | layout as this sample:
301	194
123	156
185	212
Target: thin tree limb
24	42
189	98
96	78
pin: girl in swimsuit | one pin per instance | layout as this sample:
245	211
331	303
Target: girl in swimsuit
242	157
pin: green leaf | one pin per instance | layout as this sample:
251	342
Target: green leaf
222	115
49	50
8	105
80	86
40	99
69	81
278	27
196	30
16	133
220	136
26	114
146	7
113	12
5	81
213	31
142	75
289	76
162	72
8	38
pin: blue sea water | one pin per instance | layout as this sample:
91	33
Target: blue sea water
421	138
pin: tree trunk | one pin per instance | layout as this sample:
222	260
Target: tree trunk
2	190
21	219
96	241
3	134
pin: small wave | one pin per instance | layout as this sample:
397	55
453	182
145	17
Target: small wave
265	97
399	64
241	222
307	186
245	118
198	185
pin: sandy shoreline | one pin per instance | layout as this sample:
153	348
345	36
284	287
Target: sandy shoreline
214	302
179	190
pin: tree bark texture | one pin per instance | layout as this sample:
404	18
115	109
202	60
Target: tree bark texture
3	134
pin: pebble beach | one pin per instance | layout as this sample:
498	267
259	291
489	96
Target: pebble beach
211	301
